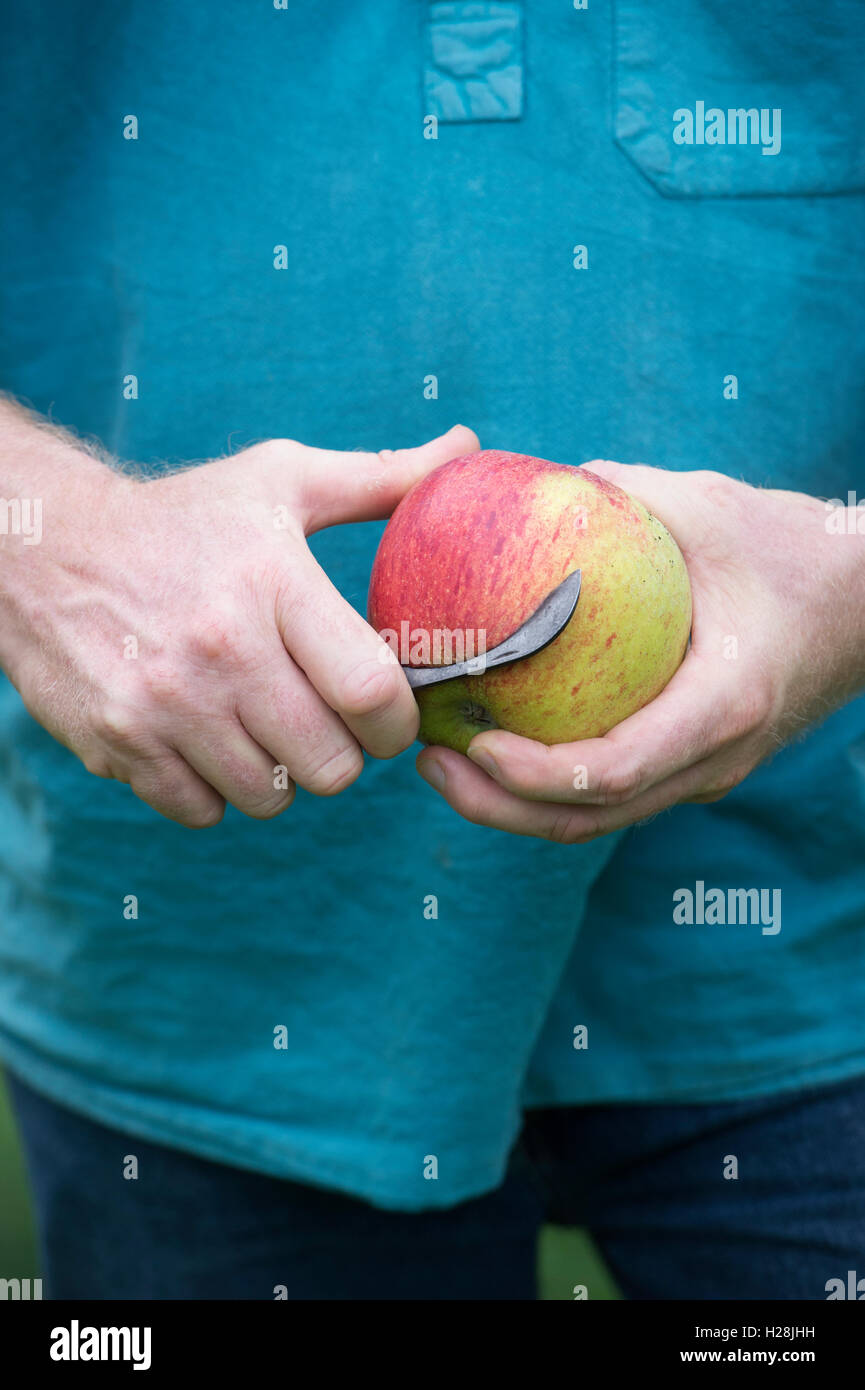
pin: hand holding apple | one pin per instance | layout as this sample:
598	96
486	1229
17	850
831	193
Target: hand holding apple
475	547
177	633
777	643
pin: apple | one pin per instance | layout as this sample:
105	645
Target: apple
472	550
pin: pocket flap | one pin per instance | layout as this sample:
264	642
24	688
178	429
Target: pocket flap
474	62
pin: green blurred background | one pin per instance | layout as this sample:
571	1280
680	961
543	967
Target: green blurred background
566	1257
18	1257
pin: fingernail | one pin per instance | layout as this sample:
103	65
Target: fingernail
433	772
484	760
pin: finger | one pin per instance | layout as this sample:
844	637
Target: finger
543	772
351	667
225	756
175	790
680	727
334	486
657	488
688	506
480	800
286	716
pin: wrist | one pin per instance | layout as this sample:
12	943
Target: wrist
57	504
844	580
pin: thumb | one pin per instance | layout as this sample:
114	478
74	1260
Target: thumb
337	487
631	477
665	494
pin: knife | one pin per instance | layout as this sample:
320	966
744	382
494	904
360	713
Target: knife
549	619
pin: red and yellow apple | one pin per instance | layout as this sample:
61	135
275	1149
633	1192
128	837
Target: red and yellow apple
475	547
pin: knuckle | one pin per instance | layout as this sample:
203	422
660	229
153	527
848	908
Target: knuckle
217	639
566	828
714	484
371	689
387	459
619	784
722	784
733	779
96	763
201	817
269	450
474	812
270	808
380	466
163	684
250	788
471	806
160	781
263	801
336	773
115	721
292	600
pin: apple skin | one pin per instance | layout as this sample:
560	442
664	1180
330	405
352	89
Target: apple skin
480	541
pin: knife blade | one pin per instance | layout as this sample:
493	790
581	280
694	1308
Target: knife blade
549	619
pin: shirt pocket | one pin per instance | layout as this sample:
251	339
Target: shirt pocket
775	95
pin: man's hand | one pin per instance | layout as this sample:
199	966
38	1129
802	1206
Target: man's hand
177	634
778	642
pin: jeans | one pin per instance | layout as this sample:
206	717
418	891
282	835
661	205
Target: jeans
654	1184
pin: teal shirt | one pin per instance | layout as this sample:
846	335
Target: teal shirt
427	976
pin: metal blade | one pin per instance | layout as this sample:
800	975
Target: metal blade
543	627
